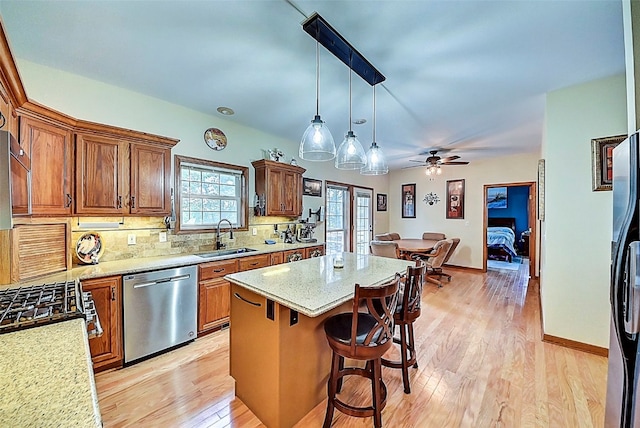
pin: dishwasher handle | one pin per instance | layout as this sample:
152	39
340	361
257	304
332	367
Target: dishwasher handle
161	281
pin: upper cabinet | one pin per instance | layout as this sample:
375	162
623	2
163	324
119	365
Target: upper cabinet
51	150
282	186
150	180
100	176
115	177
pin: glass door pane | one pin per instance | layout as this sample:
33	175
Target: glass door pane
337	219
363	220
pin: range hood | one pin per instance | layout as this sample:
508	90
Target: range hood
11	156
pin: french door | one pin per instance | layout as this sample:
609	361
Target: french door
349	218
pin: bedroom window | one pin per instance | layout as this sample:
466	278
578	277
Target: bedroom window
207	192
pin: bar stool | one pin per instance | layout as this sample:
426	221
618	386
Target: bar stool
407	311
364	336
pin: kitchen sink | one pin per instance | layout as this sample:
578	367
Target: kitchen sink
228	252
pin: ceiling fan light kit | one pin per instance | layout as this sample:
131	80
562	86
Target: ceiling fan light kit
317	142
350	154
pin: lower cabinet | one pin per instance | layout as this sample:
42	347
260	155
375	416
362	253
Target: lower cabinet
277	258
106	350
315	251
213	294
294	255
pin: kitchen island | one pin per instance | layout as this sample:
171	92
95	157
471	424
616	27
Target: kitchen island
279	356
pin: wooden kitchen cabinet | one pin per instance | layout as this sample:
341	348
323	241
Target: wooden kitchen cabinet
106	350
294	255
315	251
213	294
115	177
282	186
254	262
51	149
150	180
100	175
277	258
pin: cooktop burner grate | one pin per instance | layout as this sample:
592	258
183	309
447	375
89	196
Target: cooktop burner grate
40	304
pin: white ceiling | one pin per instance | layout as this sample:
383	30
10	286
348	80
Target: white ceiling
468	77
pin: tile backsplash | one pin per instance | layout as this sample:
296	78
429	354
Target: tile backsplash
147	235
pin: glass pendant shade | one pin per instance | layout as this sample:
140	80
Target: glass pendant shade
317	142
350	154
376	163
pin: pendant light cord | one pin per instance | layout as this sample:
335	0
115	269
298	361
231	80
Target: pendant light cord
350	73
374	115
317	78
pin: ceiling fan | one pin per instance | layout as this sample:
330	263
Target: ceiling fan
434	162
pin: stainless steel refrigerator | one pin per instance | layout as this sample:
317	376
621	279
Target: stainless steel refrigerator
622	408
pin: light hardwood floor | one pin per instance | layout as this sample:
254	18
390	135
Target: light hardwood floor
481	364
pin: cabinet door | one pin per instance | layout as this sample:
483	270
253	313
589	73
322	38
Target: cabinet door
20	188
150	180
51	167
316	251
294	255
290	193
277	258
106	350
254	262
213	307
275	185
100	178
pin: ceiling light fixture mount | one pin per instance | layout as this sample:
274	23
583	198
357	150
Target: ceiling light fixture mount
226	111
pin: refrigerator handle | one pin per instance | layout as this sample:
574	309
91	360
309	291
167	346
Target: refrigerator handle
631	304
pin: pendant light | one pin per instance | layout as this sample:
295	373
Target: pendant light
376	163
317	142
350	155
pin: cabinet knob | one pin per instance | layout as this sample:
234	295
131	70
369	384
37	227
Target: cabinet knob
113	293
119	201
69	200
133	202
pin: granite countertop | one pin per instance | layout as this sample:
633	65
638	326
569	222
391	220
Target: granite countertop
137	265
45	382
313	286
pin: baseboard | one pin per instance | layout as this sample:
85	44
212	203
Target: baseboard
534	285
585	347
474	269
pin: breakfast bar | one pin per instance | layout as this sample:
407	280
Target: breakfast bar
279	356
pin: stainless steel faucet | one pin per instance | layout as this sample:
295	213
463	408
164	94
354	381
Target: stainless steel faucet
219	244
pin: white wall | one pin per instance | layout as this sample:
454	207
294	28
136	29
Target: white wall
94	101
432	218
576	236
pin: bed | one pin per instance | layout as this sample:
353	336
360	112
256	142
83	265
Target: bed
501	237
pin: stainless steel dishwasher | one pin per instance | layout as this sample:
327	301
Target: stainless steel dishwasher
160	311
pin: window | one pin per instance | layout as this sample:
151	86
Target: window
208	192
336	233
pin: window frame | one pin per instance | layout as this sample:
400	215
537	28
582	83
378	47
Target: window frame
243	215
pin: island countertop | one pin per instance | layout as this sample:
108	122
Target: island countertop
313	286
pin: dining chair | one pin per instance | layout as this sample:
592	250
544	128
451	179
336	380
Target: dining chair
382	237
438	271
407	311
385	249
363	336
434	236
394	236
434	259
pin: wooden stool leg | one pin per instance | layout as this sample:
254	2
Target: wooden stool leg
376	389
412	346
332	387
405	364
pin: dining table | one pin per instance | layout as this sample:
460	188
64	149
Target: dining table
408	246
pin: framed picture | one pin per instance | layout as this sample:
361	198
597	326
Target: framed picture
602	161
497	197
311	187
409	200
541	190
455	199
382	202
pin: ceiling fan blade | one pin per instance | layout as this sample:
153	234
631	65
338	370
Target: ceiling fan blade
454	163
449	158
413	160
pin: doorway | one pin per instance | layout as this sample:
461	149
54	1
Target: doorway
349	218
511	206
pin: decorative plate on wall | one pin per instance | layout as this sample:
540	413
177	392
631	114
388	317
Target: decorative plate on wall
215	139
89	248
